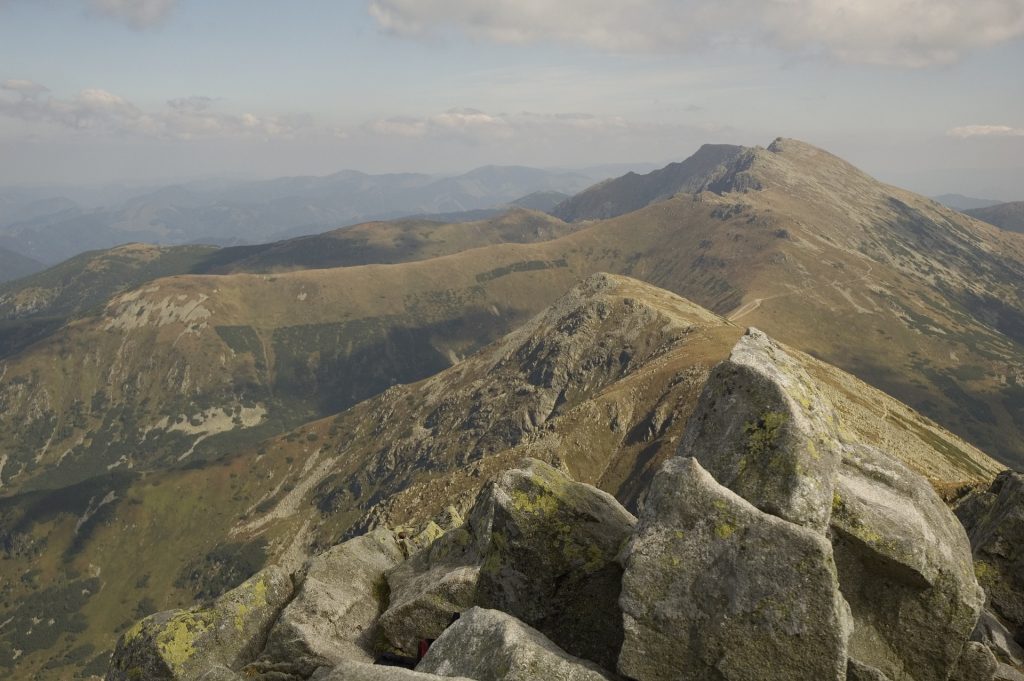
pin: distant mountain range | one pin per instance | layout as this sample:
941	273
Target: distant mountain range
14	265
1008	216
961	202
52	229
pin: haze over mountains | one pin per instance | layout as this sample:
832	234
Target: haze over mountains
228	407
51	229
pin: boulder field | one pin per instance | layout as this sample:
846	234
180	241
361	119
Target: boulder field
775	545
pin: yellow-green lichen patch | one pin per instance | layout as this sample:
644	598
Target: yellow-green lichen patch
762	433
177	640
724	530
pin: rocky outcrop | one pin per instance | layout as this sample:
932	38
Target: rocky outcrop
489	645
186	645
763	430
715	588
539	546
775	546
333	614
888	552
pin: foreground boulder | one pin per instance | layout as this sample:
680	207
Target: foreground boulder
715	588
332	616
904	567
488	645
762	429
184	645
897	557
538	546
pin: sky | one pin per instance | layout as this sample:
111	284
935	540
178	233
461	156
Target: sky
928	94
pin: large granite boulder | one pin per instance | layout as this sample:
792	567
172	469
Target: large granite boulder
489	645
994	520
538	546
763	430
714	588
335	610
904	567
184	645
858	671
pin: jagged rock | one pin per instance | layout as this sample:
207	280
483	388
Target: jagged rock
998	638
489	645
858	671
537	545
715	588
904	567
333	614
995	523
762	429
976	663
185	644
349	670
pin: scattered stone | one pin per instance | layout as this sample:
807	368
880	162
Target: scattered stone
715	588
333	615
183	645
488	645
904	567
762	430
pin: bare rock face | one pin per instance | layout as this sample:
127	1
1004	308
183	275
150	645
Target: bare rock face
762	430
858	671
538	546
184	645
715	588
332	616
904	567
489	645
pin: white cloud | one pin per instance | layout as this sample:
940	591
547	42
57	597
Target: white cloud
965	131
473	125
97	112
26	88
135	13
910	33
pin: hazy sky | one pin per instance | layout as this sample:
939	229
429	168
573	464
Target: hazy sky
926	93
